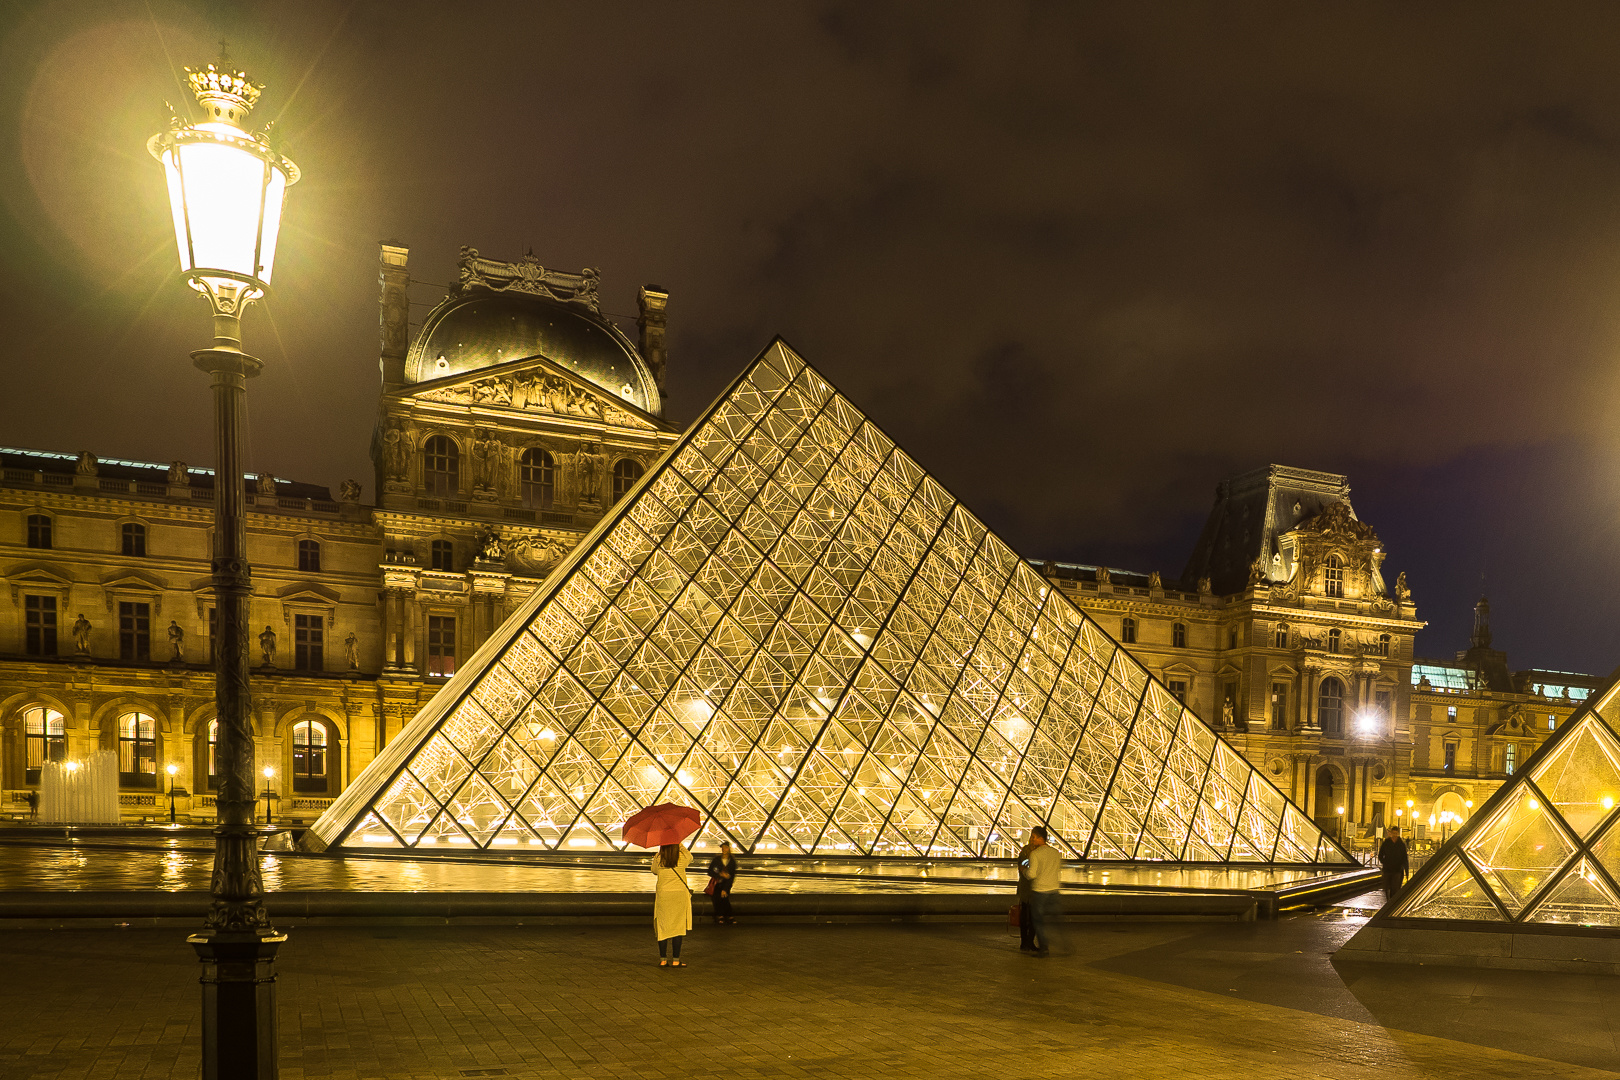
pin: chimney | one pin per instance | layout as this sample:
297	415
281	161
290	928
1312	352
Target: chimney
1481	638
653	299
394	315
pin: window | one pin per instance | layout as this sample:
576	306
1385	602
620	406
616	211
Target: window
1281	639
1451	757
1231	637
39	531
1335	640
1552	721
213	755
1507	759
537	479
441	645
39	620
1383	644
442	555
137	751
46	733
1279	706
1330	706
1333	576
134	539
309	756
1127	631
625	475
309	556
134	631
1451	714
308	640
441	466
1178	635
1178	690
1381	703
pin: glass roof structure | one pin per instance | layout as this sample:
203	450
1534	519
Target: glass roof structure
1545	849
790	626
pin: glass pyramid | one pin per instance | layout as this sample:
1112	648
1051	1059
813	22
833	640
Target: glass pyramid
1545	849
789	625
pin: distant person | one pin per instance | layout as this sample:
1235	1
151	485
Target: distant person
1392	857
672	902
33	805
722	877
1026	902
1045	884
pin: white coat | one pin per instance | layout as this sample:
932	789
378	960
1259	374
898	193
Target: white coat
672	902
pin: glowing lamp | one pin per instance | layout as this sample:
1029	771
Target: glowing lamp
171	769
268	772
226	188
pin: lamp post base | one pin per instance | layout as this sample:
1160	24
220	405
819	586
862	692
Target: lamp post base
239	1004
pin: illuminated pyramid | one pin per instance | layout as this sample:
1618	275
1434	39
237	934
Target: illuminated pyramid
789	625
1545	849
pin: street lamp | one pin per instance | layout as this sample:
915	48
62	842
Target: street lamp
226	189
269	792
171	770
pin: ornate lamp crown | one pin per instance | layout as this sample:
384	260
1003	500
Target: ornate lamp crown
223	94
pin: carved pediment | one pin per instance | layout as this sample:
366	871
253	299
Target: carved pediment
39	574
1335	522
130	581
308	592
537	386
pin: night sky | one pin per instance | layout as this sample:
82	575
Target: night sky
1082	261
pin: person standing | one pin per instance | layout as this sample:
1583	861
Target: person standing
1392	857
1045	883
33	804
722	876
672	902
1026	903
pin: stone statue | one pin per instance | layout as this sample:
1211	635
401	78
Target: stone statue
1103	577
397	453
267	646
351	651
1257	571
81	635
591	462
177	638
1205	585
394	321
349	491
87	465
1226	714
266	484
1403	591
487	449
494	549
178	474
1154	580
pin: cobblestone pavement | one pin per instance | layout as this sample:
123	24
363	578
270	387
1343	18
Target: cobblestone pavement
757	1001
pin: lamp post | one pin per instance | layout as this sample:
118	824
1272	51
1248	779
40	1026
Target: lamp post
269	793
171	770
226	189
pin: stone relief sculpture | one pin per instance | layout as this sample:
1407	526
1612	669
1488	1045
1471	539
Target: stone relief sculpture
526	275
349	491
394	321
87	466
266	484
267	647
178	474
81	635
177	638
351	651
492	547
538	393
534	555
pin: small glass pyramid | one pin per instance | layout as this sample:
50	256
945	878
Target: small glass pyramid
1545	849
789	625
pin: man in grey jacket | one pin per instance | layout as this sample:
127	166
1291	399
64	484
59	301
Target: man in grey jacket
1045	875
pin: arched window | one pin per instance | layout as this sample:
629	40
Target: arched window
137	750
213	755
309	556
625	475
1127	631
441	466
1383	644
1281	639
1333	576
311	758
1335	639
39	531
46	733
134	539
1330	707
442	555
537	479
1178	635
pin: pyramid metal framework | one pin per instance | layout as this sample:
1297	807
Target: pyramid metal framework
788	624
1544	850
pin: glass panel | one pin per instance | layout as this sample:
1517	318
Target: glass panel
1452	893
1519	848
1582	897
1582	776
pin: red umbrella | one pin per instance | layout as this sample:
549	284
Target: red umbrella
666	823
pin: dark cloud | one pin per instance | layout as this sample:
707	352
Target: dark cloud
1083	260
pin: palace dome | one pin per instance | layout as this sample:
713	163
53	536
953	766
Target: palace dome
480	328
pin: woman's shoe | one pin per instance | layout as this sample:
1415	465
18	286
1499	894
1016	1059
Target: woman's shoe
677	963
663	963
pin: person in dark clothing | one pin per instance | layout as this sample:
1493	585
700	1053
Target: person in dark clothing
1026	904
722	875
1392	857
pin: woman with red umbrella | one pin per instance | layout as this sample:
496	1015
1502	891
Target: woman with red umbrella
664	827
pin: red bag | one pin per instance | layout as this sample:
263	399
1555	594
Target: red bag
1014	914
709	888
